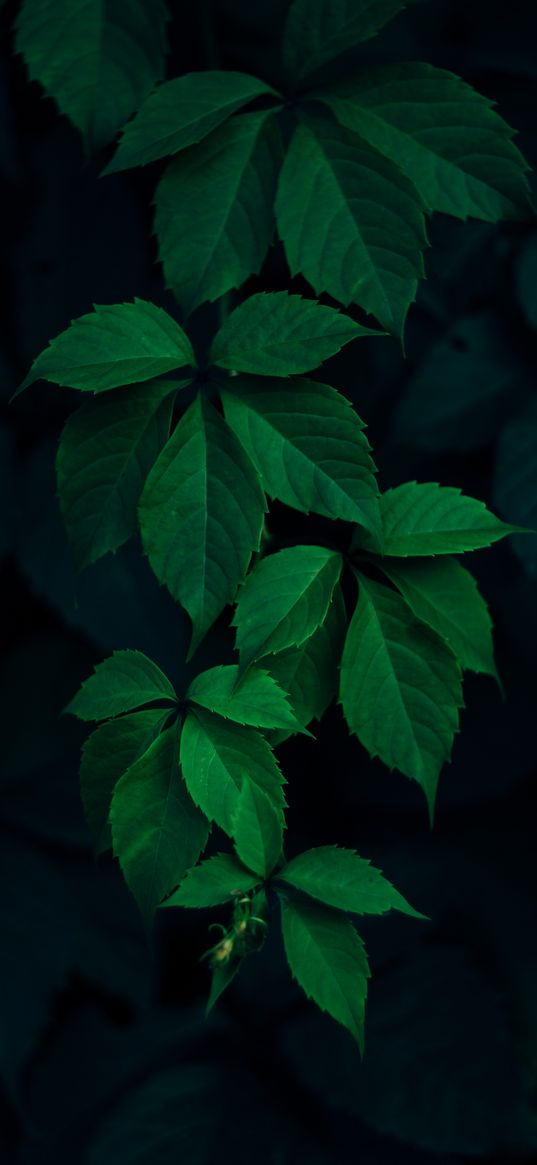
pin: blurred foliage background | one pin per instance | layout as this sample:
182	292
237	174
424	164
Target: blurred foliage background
105	1055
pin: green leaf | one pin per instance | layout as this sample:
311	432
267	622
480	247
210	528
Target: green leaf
309	673
328	960
107	753
220	980
118	343
98	61
214	209
255	699
182	112
445	595
257	830
515	481
157	831
201	515
213	883
217	758
351	223
340	878
443	135
319	30
427	518
126	680
284	599
277	334
106	451
308	446
400	687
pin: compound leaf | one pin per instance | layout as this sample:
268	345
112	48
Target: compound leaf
213	883
257	830
126	680
107	753
98	60
319	30
217	757
427	518
284	599
445	595
255	699
230	179
201	515
400	687
308	446
105	453
118	343
443	135
157	831
328	960
340	878
277	334
182	112
351	222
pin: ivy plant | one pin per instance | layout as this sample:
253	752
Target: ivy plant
192	449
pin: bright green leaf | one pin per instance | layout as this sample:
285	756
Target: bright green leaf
118	343
126	680
230	180
213	883
308	446
257	830
284	599
351	223
340	878
201	515
98	59
106	755
400	687
444	595
277	334
217	757
182	112
515	481
445	137
106	451
328	960
157	831
319	30
427	518
255	699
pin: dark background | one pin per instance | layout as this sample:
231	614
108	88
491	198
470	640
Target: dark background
105	1055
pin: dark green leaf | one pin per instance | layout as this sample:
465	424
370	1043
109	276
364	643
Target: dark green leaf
220	979
157	831
218	757
284	599
319	30
257	830
277	334
444	595
308	446
118	343
328	960
106	755
351	222
526	279
98	60
338	877
201	515
106	451
214	209
256	699
126	680
427	518
400	687
182	112
213	883
444	136
515	481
